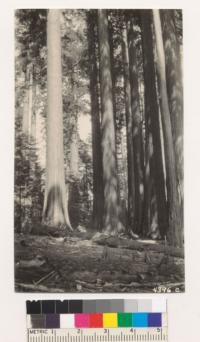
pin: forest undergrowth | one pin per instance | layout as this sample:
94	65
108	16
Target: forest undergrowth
93	262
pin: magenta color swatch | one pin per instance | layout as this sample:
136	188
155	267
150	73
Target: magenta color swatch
82	320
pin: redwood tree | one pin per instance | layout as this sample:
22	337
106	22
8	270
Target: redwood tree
96	125
136	119
28	102
111	220
27	130
152	118
55	211
74	155
175	230
175	92
129	133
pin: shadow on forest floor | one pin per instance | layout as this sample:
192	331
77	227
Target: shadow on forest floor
84	262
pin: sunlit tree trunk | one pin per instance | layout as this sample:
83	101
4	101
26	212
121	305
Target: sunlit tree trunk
129	128
136	121
118	133
111	219
96	125
152	118
28	117
55	210
175	92
174	232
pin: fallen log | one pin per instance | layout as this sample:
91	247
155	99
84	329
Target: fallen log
88	266
38	288
116	242
147	285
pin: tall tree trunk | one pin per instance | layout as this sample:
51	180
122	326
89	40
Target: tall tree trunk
32	139
55	209
174	235
74	155
175	93
98	199
74	196
118	133
27	110
28	118
129	129
111	219
34	107
152	118
136	121
26	143
30	100
148	181
74	170
113	76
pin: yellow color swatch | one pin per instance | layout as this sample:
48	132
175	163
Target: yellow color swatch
110	320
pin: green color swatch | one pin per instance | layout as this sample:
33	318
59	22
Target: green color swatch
124	320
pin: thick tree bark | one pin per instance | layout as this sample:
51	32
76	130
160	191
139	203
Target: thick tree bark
113	76
136	123
98	199
111	219
148	182
129	129
55	209
118	133
175	93
152	119
174	235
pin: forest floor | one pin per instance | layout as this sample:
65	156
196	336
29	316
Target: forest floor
88	262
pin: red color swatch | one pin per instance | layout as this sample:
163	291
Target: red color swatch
96	320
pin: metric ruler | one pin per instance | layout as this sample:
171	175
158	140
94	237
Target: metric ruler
98	335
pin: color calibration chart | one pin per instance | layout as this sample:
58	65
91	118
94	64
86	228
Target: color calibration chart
102	320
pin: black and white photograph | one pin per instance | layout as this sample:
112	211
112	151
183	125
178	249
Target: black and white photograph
98	188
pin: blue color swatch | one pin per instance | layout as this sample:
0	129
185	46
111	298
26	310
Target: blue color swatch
154	320
140	320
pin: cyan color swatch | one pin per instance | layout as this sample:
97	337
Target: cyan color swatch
140	320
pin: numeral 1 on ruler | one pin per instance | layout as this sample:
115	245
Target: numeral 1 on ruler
98	335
